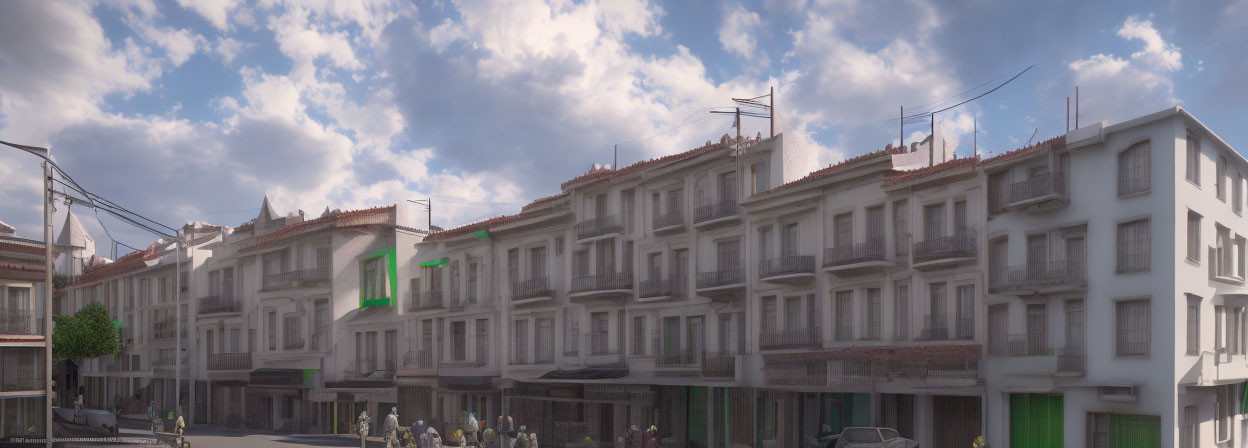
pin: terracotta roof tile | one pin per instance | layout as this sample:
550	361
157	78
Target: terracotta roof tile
1014	154
375	215
838	167
603	173
18	267
130	262
31	249
484	224
905	176
543	201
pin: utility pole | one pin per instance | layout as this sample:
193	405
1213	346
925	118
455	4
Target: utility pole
427	203
177	348
975	137
771	105
901	126
615	158
47	301
1076	107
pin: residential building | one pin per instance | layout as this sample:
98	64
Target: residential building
23	389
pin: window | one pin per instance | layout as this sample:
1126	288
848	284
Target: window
936	306
628	206
520	346
1189	434
1134	169
320	325
459	341
1037	330
639	335
792	313
933	221
788	240
959	216
1224	252
680	272
844	315
1237	194
471	294
901	227
1193	159
571	331
998	329
1106	430
769	313
1193	324
272	330
292	332
372	279
759	175
599	327
392	349
628	258
545	338
873	313
875	227
902	311
843	228
729	255
764	243
455	282
656	206
483	340
671	335
1134	241
654	266
1193	236
1132	324
1240	256
676	200
1226	413
1220	181
728	187
966	312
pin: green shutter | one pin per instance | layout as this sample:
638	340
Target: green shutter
860	409
697	415
1134	431
1036	421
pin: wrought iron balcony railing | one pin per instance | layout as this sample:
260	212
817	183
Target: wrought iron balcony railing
297	343
790	338
17	321
1038	275
719	365
296	278
596	227
670	219
724	277
959	245
229	361
532	288
1028	345
603	282
600	344
369	368
427	300
418	359
1072	359
871	250
679	358
1047	184
660	288
218	304
935	328
710	211
21	379
788	265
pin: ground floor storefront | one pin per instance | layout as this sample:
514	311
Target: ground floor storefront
22	416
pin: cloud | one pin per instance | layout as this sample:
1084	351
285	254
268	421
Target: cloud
738	33
229	48
216	12
1115	88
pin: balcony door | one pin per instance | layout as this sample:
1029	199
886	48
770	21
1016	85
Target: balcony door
934	221
671	335
680	271
728	186
600	206
1074	324
697	335
728	255
1037	255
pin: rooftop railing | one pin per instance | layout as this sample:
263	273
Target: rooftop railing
596	227
870	250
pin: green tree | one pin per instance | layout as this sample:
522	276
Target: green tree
87	334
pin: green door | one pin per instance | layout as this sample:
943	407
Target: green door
697	417
1134	431
1035	421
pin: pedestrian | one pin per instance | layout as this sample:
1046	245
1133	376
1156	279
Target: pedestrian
390	429
362	427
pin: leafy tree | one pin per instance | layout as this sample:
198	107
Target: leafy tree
87	334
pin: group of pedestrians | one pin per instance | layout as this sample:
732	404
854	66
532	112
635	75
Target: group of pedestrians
504	434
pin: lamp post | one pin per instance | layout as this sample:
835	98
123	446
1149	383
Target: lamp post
45	154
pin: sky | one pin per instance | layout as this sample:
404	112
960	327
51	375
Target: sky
194	110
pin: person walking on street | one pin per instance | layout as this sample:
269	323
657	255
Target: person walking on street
362	427
390	429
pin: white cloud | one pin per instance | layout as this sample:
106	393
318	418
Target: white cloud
1156	52
229	48
216	12
1116	88
738	33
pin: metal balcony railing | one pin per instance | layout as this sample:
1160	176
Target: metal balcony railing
369	368
427	300
808	374
532	288
218	304
602	282
17	321
719	365
654	288
164	357
871	250
604	225
295	278
20	379
788	265
229	361
935	328
461	364
296	343
1028	345
1047	184
964	328
1072	359
460	303
709	210
1038	275
724	277
418	359
600	344
679	358
790	338
165	329
959	245
670	219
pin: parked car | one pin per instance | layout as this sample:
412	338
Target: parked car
864	437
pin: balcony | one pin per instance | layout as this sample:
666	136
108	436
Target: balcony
790	338
218	304
419	360
724	284
600	345
460	364
164	358
1072	361
459	304
369	369
659	290
229	361
533	290
669	222
21	379
679	358
1046	278
601	285
424	301
812	374
946	251
17	321
713	214
296	343
720	366
1217	368
167	329
598	228
297	279
935	328
857	259
1040	193
789	270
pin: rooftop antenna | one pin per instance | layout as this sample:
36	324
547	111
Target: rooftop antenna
1067	113
1076	107
1033	136
975	137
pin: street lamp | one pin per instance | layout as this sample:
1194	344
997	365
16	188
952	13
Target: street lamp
45	154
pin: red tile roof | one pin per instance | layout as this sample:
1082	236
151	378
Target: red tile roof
484	224
375	215
839	167
1020	152
603	173
905	176
130	262
543	201
18	267
28	248
932	353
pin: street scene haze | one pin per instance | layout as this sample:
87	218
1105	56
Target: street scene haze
623	224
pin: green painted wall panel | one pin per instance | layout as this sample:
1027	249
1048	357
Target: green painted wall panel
1036	421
